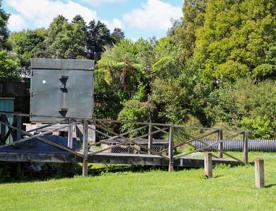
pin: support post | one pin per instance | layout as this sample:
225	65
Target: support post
92	137
220	145
19	127
170	149
259	173
245	147
208	166
70	134
85	149
149	139
3	128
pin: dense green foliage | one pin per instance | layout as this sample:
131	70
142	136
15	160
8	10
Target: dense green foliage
3	27
231	189
9	68
216	66
123	74
235	39
247	105
28	44
64	39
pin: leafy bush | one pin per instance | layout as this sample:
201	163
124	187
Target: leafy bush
9	68
247	105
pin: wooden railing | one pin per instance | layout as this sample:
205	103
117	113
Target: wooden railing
142	138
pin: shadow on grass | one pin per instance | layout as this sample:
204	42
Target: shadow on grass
21	172
121	169
30	172
270	186
217	176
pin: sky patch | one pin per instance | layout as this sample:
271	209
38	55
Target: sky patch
139	18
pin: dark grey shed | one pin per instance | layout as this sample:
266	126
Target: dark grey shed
61	88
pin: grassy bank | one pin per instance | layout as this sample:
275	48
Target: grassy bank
231	189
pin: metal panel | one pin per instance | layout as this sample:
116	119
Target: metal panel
7	105
61	89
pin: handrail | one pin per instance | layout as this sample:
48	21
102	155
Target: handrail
124	121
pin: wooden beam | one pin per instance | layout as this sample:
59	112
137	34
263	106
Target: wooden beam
93	134
31	137
39	128
170	149
3	132
128	132
70	134
46	141
220	145
85	149
245	147
195	139
162	125
150	139
259	173
188	142
231	156
197	150
19	127
234	135
208	166
162	130
3	128
39	157
125	141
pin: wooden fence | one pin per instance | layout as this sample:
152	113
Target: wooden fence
141	138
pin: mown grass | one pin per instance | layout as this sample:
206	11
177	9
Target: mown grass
231	189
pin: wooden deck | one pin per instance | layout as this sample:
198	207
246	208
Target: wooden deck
108	158
42	144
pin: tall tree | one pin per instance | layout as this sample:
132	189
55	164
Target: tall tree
193	19
235	38
122	75
67	40
98	39
117	35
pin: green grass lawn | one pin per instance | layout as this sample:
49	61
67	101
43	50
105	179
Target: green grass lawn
231	189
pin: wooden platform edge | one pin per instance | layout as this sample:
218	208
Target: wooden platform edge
146	160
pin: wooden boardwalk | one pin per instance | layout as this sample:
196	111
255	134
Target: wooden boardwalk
148	144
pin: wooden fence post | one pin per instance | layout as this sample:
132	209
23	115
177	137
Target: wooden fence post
208	166
170	149
150	139
3	128
259	173
220	145
85	149
70	134
93	133
19	127
245	147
